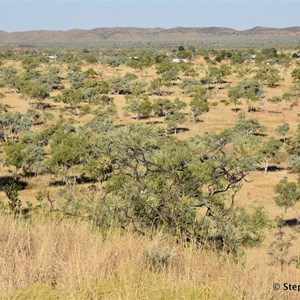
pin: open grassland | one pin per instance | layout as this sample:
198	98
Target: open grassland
219	117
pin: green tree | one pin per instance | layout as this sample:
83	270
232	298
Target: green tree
296	74
279	249
37	91
269	75
73	97
282	130
90	73
293	163
160	182
91	59
293	149
249	127
269	150
234	95
12	124
287	193
199	105
161	107
217	74
33	159
156	86
174	118
141	106
67	151
9	76
140	62
76	78
166	66
52	78
251	91
14	202
14	157
25	154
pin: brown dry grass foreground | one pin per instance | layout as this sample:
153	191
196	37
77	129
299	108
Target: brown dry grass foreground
54	260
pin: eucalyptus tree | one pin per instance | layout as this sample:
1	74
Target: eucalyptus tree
156	87
73	97
66	156
174	118
52	78
37	91
26	154
282	130
269	149
293	149
269	75
199	104
161	107
160	182
8	76
76	79
287	193
251	91
12	124
140	105
218	74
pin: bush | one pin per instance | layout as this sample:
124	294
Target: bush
158	260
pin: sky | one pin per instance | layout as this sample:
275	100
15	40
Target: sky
26	15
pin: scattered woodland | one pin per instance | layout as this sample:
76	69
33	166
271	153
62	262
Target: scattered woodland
130	173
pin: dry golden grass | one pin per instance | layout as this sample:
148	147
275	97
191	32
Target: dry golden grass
218	118
69	261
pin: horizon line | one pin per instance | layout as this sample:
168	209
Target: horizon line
157	27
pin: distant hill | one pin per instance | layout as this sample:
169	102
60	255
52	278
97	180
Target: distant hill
122	35
268	30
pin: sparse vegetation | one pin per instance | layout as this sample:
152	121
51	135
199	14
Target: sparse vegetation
138	166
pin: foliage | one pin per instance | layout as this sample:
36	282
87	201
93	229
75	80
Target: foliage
293	163
249	127
162	106
123	86
67	150
142	178
269	75
279	249
91	59
249	90
293	145
159	182
12	124
35	90
73	97
288	193
14	202
90	73
282	130
76	78
269	149
158	259
199	104
296	74
141	106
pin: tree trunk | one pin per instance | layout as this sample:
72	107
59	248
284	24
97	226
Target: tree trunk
266	166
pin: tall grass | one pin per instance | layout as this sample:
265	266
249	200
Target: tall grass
67	260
